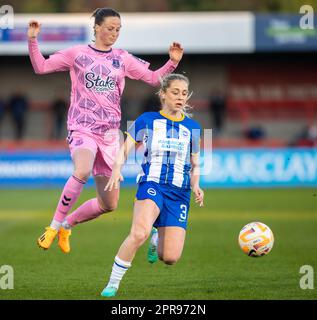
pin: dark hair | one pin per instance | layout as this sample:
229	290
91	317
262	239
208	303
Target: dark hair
101	13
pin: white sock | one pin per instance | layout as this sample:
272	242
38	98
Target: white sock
119	268
65	225
154	239
55	224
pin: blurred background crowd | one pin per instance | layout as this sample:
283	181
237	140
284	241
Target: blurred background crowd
264	97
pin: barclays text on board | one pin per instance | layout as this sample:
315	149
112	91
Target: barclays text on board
263	168
290	167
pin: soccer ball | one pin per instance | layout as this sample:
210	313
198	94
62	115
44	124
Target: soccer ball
256	239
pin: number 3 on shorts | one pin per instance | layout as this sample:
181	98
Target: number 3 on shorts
183	215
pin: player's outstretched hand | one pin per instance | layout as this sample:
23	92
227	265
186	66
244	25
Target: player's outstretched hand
34	29
114	181
176	52
199	196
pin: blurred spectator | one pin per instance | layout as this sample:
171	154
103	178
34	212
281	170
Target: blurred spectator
129	111
151	103
18	106
312	134
306	138
125	107
217	107
131	107
2	110
59	112
255	133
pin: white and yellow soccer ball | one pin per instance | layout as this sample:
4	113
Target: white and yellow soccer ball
256	239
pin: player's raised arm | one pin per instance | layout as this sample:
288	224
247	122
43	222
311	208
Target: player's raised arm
121	158
138	70
176	52
59	61
34	29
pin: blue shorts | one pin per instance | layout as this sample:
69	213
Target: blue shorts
173	203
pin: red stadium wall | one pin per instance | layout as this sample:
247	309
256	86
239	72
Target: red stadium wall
273	90
270	88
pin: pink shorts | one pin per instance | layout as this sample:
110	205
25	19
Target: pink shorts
104	148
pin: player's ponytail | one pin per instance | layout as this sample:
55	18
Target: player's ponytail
166	82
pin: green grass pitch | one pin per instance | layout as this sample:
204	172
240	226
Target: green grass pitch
212	265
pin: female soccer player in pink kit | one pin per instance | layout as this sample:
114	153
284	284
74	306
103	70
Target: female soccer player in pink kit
97	74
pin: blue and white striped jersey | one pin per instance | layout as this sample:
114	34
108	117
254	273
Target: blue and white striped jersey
168	145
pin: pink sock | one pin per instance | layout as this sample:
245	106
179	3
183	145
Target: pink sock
87	211
70	194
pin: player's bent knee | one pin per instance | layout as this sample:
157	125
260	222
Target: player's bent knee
111	208
82	174
108	207
169	260
139	236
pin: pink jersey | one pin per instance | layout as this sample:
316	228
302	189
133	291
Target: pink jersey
98	79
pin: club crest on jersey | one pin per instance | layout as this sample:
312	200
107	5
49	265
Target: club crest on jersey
116	63
98	84
151	191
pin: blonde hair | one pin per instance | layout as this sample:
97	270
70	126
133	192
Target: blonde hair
166	83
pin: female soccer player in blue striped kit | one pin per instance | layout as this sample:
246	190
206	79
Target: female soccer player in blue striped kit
170	170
